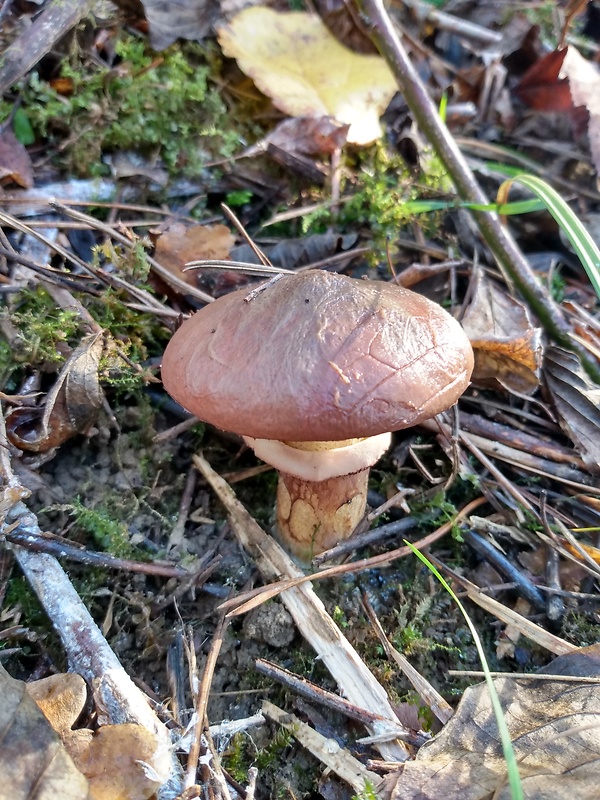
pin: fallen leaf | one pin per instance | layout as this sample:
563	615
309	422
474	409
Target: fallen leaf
179	244
308	136
15	163
295	60
583	78
117	761
565	81
71	406
507	347
541	88
555	731
61	698
34	765
182	19
577	401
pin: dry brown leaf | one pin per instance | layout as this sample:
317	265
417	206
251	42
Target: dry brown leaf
15	163
577	401
182	19
179	244
60	698
34	765
294	59
117	761
508	349
71	405
554	727
308	136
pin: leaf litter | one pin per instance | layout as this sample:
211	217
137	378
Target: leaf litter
523	442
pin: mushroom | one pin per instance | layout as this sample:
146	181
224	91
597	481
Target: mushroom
314	372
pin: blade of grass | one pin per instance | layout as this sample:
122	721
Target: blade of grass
514	780
580	239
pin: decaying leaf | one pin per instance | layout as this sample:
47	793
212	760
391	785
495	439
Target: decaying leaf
555	730
15	163
541	87
33	761
577	401
119	761
179	244
60	698
507	347
307	136
71	405
294	59
182	19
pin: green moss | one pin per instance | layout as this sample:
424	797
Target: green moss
385	185
105	526
40	328
157	104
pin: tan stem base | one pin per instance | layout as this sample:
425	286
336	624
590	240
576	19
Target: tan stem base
314	516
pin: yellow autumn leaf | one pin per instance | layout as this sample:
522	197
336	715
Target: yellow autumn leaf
296	61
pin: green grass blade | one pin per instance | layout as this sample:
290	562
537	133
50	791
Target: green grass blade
580	239
514	780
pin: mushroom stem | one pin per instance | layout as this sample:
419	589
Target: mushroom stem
313	516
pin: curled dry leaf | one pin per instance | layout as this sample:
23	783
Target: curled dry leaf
33	761
307	136
179	244
577	401
71	405
507	347
294	59
555	731
15	163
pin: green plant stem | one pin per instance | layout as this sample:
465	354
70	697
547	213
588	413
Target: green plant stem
497	237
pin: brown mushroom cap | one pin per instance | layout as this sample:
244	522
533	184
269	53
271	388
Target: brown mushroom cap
318	356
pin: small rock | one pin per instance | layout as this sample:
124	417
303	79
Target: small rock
271	624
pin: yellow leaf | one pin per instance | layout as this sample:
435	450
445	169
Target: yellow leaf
296	61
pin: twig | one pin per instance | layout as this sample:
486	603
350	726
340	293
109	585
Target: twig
243	603
499	240
339	657
168	276
61	548
118	699
202	703
534	632
528	676
363	539
321	697
329	752
492	554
